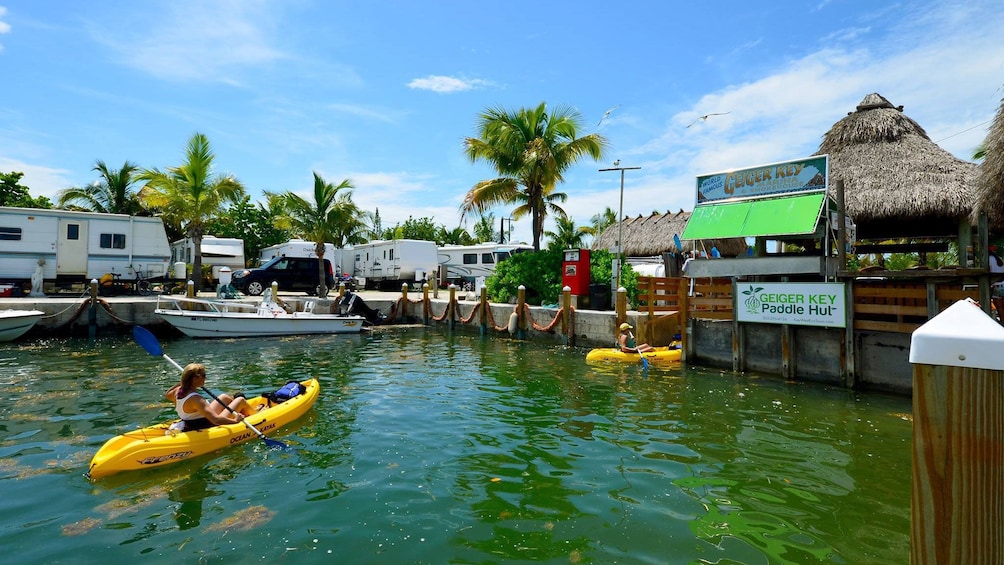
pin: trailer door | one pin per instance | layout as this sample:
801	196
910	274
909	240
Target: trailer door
71	247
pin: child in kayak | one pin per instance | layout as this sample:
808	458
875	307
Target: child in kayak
195	411
627	343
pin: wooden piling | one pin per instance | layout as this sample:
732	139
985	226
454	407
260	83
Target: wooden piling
957	502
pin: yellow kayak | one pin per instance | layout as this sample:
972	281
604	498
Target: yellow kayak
157	445
613	354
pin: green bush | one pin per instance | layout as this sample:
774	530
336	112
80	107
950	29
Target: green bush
540	272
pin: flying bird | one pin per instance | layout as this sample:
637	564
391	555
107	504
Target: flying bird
606	114
705	117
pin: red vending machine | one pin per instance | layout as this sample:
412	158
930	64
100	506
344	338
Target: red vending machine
575	271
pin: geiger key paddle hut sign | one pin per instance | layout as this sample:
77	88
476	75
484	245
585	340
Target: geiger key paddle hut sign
799	304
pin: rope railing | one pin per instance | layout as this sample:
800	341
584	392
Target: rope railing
482	313
549	328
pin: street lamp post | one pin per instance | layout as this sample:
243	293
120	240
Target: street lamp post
620	219
502	233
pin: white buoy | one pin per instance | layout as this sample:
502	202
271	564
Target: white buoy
513	322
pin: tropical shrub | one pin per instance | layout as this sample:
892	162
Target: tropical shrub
540	272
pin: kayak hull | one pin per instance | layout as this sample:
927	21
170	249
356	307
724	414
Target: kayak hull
614	355
157	445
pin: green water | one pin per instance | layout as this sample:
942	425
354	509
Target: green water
426	447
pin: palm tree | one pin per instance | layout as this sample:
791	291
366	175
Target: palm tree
530	149
566	235
484	229
319	221
190	195
113	194
456	236
600	222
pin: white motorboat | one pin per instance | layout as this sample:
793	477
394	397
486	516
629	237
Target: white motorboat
14	323
222	318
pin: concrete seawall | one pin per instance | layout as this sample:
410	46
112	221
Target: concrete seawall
117	314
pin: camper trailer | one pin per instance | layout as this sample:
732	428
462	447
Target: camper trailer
295	248
218	252
342	259
467	263
80	246
389	262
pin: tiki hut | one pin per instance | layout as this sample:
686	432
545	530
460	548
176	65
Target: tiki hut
897	182
990	178
653	235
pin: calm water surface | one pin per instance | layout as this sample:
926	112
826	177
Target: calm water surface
426	447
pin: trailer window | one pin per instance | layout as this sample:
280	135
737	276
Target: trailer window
391	254
487	258
470	258
10	234
72	231
113	241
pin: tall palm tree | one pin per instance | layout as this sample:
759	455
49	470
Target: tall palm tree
320	221
601	221
566	235
113	194
530	150
191	194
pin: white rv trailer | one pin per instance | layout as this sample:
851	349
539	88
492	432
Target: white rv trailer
80	246
295	248
341	259
216	251
467	263
383	263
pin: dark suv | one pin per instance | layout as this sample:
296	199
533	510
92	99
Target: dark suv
292	274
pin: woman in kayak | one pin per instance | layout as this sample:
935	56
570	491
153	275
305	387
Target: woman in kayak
195	411
627	343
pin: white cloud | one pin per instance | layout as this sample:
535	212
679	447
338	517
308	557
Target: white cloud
41	181
4	26
209	41
445	84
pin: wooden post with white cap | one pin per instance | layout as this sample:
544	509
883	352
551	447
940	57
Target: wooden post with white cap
957	497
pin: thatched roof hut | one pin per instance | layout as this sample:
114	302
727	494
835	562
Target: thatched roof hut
990	178
897	182
653	235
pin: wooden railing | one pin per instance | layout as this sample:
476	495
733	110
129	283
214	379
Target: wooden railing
705	298
887	306
902	307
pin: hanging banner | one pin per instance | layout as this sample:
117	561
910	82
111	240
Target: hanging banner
796	304
802	175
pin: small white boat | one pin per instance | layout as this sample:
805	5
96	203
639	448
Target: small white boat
14	323
218	318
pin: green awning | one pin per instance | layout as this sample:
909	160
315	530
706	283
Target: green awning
785	216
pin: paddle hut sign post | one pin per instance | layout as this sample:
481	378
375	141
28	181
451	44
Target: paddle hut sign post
797	304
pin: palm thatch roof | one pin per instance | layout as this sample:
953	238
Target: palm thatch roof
990	178
897	182
653	235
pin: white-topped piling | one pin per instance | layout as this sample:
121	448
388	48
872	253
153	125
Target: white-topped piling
957	501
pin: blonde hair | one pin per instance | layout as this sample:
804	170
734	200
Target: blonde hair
191	372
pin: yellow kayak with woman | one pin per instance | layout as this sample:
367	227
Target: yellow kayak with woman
163	444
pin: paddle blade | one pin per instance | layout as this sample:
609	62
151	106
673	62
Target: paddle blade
274	443
644	362
147	340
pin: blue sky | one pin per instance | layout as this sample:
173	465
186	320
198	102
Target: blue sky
383	93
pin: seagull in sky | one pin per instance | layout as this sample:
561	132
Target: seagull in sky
607	113
706	116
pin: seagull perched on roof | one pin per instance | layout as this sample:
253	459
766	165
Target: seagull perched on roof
705	117
606	114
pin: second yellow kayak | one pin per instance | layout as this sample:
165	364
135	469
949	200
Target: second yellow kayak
612	354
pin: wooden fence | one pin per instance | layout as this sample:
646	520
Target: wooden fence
887	306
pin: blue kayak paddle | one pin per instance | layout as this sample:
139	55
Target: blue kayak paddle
149	342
